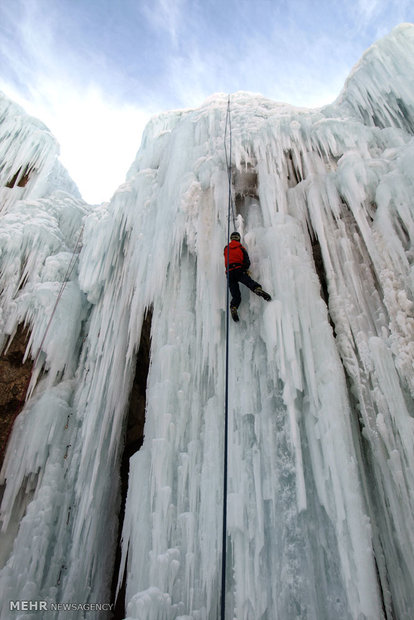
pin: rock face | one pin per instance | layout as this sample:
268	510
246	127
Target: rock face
14	379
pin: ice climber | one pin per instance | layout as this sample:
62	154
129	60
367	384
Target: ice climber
238	263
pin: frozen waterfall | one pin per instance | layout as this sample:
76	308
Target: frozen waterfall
321	382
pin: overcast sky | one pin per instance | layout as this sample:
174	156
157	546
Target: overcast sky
96	70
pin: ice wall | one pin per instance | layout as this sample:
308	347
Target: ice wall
40	225
321	386
29	167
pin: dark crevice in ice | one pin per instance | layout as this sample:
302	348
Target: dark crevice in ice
134	437
21	177
294	168
245	184
364	456
134	434
320	270
14	380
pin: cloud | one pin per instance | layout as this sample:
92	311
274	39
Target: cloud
98	139
167	15
98	135
280	60
30	45
367	8
380	16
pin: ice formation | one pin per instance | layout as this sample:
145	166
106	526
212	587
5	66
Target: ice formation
321	441
28	164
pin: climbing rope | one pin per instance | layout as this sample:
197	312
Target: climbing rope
228	162
230	211
61	290
23	400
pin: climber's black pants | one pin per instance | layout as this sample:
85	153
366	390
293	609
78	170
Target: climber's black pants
236	276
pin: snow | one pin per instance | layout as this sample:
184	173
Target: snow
321	381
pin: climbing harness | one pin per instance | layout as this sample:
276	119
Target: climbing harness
230	211
61	290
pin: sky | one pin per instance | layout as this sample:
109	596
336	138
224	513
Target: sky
95	71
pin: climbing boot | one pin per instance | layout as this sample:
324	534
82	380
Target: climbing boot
259	291
234	314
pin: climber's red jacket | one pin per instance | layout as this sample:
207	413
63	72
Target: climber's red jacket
237	255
